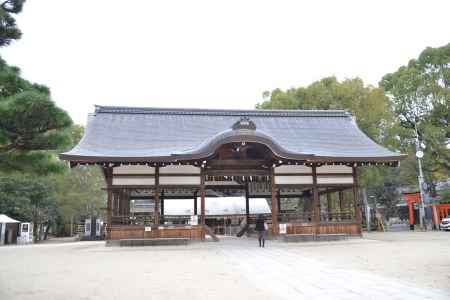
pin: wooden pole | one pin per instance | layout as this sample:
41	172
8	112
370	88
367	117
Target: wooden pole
329	202
127	207
247	204
109	176
316	202
123	202
156	211
195	203
275	227
202	201
279	200
356	202
162	205
341	202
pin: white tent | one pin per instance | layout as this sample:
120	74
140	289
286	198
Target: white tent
217	206
213	206
6	219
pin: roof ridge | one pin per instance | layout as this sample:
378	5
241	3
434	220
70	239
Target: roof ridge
221	112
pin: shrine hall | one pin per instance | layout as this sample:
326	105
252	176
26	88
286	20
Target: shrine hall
303	163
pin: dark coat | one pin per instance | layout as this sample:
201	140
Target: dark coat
260	225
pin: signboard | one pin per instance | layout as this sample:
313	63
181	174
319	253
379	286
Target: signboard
283	228
148	228
98	227
194	220
26	233
87	227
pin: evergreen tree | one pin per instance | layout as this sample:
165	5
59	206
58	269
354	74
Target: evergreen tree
8	27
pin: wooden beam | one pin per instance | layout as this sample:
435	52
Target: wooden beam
333	190
237	172
316	202
237	163
275	227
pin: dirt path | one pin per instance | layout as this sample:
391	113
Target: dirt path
371	268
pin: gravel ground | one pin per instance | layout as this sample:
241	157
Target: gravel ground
399	265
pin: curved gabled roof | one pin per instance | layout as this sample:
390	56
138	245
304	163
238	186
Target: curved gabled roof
129	134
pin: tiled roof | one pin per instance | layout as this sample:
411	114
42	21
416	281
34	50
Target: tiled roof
221	112
164	134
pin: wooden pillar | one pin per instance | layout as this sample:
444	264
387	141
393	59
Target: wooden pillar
342	209
411	214
123	203
195	203
275	227
156	197
127	204
202	201
315	202
108	171
118	210
341	202
356	202
329	202
247	204
307	202
279	200
162	205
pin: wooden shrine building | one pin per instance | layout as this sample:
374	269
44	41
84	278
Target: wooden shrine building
306	157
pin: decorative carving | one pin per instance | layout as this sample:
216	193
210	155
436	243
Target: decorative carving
244	123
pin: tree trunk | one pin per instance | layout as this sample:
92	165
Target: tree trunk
35	230
46	231
71	226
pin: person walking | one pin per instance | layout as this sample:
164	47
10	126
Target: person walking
261	228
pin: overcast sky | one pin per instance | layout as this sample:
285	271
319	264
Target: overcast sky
212	54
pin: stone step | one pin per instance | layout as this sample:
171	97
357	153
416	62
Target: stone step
292	238
153	242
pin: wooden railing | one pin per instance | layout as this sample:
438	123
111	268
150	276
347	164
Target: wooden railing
295	217
132	220
148	219
290	217
337	217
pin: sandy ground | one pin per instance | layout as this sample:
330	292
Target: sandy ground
422	258
399	265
